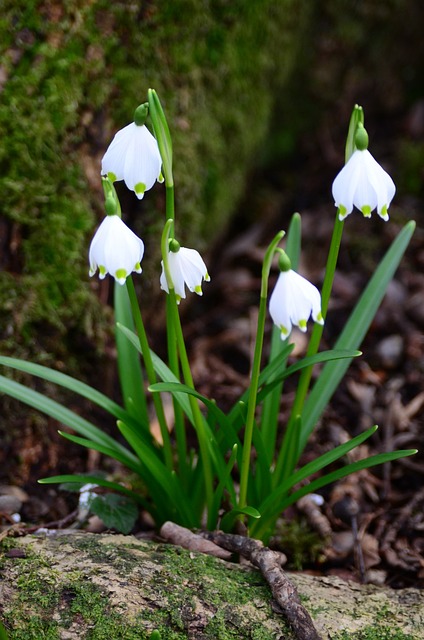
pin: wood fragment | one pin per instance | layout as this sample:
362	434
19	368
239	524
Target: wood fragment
192	541
283	590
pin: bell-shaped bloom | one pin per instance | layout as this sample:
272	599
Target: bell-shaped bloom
186	267
133	156
115	249
293	300
363	183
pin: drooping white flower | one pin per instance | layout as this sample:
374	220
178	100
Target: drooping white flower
293	300
115	249
133	156
363	183
186	267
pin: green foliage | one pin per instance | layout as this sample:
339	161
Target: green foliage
115	511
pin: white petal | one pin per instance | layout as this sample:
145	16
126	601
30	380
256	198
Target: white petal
345	183
134	156
176	273
115	249
114	159
293	300
278	305
143	161
186	267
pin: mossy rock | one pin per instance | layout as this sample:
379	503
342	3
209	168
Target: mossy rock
71	75
94	587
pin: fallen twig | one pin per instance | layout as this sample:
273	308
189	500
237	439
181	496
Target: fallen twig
185	538
283	590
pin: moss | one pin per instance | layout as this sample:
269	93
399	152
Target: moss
51	600
73	73
374	633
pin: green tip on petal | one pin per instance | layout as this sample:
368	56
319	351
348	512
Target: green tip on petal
141	113
160	177
207	277
302	325
198	290
137	267
177	298
140	188
342	212
366	210
121	275
284	332
320	318
111	176
383	213
102	271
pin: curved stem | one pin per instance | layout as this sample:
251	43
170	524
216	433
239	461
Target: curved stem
315	340
256	369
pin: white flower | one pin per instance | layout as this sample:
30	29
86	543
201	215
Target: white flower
186	267
133	156
293	300
115	249
363	183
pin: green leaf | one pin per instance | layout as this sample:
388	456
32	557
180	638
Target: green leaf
129	365
227	435
353	333
67	382
58	412
129	460
366	463
115	511
101	482
3	634
272	502
213	515
229	519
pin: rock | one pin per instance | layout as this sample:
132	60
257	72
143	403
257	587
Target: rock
69	585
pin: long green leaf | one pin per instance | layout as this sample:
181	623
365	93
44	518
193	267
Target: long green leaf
313	467
273	511
366	463
101	482
128	460
60	413
129	365
161	475
353	333
161	369
67	382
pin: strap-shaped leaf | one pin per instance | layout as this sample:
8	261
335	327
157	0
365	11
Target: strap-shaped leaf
353	333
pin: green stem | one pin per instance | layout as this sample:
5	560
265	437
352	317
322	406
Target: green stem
251	405
150	371
197	415
256	369
315	340
179	426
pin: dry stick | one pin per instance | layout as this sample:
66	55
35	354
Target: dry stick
283	590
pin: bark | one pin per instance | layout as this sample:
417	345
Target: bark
76	585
